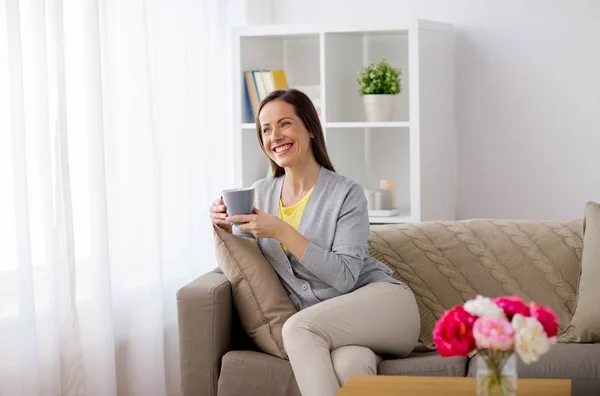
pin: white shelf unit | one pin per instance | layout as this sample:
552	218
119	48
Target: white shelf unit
417	149
365	124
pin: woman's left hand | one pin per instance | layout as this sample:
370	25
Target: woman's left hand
260	224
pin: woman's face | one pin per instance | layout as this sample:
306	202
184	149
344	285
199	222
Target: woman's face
284	136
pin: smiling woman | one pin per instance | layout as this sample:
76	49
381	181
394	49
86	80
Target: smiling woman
285	117
312	225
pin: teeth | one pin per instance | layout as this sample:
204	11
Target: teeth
282	148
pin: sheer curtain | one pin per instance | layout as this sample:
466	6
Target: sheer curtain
114	135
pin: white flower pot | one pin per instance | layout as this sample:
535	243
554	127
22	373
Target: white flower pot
379	107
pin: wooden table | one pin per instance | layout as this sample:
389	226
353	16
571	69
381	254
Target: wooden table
394	385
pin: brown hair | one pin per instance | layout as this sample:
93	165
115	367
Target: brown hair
305	110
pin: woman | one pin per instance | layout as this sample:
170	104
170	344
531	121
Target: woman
312	225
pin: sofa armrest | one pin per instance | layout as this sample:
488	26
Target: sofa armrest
204	314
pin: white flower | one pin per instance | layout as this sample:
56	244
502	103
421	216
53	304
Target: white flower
531	341
484	306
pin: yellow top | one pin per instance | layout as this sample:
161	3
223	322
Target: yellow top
293	214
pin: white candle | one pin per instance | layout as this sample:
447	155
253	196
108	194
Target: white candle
389	185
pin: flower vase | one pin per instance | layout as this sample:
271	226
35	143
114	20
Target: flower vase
496	373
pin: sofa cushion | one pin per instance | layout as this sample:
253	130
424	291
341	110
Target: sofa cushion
585	326
448	263
425	364
259	297
252	373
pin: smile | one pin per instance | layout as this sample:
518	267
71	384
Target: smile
283	148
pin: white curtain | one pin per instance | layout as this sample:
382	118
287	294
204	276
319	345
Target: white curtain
115	130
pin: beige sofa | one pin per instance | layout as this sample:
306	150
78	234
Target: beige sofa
444	263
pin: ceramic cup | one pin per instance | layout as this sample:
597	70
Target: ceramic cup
239	201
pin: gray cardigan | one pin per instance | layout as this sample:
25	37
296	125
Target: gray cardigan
336	222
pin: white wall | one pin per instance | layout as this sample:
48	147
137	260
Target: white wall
527	96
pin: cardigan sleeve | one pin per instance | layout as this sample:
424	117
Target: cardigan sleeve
341	265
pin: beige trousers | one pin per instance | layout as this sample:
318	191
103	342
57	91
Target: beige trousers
344	336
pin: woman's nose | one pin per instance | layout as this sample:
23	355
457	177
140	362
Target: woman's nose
276	133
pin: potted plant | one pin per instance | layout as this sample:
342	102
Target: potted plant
379	85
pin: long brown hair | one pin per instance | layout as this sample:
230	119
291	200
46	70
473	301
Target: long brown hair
305	110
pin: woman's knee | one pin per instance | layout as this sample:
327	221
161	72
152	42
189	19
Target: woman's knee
295	329
353	360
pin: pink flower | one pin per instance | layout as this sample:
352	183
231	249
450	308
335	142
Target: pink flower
453	333
512	305
491	332
546	317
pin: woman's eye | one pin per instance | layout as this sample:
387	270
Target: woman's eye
285	123
266	130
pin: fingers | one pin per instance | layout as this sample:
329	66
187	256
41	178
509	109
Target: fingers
243	226
246	227
218	209
218	215
240	218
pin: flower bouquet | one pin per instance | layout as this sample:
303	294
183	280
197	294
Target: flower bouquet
495	330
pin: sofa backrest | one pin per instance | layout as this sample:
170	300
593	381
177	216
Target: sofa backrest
448	263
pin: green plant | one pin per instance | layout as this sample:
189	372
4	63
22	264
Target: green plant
379	79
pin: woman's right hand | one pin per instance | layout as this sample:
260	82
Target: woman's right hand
218	213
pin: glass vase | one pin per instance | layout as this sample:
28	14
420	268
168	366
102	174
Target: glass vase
496	373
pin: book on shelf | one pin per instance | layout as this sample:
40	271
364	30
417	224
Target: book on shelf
260	83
